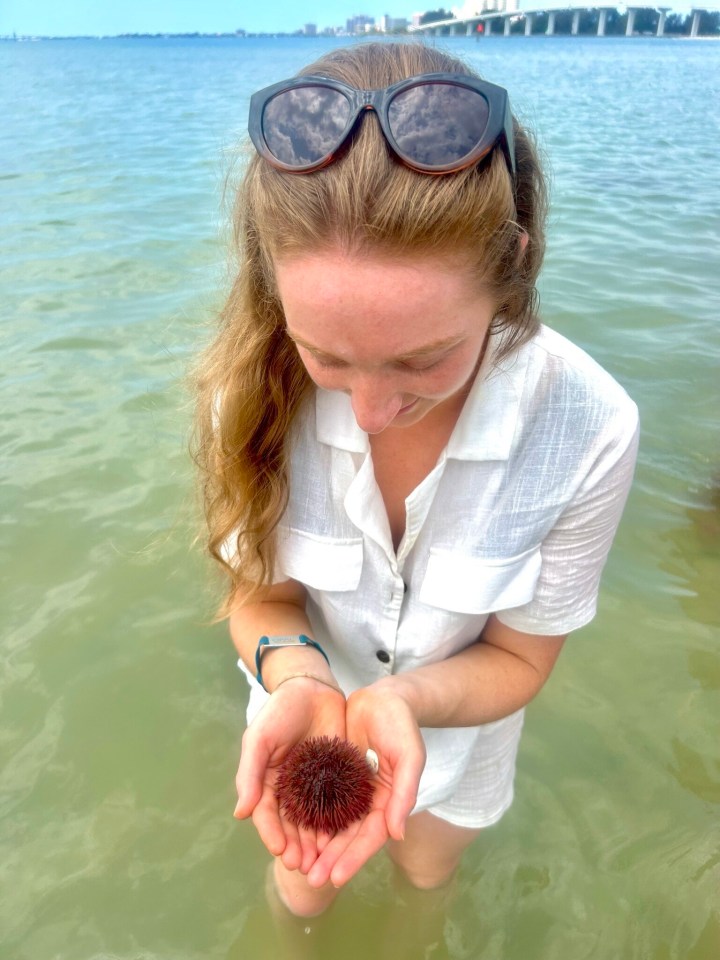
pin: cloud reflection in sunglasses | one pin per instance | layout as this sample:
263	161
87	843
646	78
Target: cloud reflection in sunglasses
434	124
437	124
302	126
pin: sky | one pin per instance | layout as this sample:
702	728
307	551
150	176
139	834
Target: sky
108	17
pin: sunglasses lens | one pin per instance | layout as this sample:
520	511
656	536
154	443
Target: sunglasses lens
438	123
304	125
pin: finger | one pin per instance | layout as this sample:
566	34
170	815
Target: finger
323	839
371	838
403	796
254	759
292	855
319	875
266	817
347	852
249	790
399	807
309	845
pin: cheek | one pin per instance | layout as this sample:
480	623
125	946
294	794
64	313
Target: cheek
447	379
328	378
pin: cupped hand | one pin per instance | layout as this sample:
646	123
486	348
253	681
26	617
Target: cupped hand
298	709
376	718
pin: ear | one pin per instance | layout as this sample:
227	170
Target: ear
523	241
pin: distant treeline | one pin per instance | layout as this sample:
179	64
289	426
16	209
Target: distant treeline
433	16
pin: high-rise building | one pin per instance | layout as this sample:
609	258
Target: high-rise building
387	23
359	23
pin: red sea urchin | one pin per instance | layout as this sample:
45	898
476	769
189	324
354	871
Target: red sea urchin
324	784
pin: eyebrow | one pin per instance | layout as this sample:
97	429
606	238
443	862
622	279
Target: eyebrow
429	348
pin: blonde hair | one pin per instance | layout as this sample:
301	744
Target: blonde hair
251	382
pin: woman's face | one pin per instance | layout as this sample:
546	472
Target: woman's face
402	337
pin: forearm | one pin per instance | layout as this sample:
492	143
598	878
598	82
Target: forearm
479	685
487	681
281	613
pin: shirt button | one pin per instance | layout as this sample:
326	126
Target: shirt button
383	656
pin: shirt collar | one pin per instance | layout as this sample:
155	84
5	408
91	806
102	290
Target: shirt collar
485	427
487	423
336	424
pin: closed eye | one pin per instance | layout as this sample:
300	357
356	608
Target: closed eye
413	364
418	366
327	362
421	364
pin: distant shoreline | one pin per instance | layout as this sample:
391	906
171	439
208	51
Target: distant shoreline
338	36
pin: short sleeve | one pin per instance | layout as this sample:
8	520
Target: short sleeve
229	553
575	551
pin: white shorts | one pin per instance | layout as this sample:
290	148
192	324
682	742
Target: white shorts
485	791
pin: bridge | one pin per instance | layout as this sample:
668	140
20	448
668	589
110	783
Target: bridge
488	17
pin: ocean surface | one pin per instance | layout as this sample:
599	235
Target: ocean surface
122	710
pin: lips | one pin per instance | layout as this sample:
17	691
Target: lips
407	407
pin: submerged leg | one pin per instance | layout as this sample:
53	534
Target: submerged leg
426	863
294	893
431	851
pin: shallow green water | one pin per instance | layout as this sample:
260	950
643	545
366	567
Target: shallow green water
121	708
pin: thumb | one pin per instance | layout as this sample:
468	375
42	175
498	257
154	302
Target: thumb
403	797
248	797
249	778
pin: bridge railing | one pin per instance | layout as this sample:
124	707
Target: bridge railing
488	19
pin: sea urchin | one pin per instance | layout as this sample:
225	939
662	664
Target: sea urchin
324	784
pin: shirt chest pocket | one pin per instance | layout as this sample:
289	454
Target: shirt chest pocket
323	563
478	585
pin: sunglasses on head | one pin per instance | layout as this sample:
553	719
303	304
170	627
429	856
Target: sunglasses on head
434	123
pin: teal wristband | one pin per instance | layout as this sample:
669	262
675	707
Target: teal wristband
269	643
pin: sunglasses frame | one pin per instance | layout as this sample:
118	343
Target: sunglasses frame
498	132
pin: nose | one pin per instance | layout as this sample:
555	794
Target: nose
374	404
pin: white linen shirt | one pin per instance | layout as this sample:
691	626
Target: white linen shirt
516	519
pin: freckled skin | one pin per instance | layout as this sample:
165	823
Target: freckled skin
365	324
325	784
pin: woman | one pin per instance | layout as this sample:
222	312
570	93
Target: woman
411	482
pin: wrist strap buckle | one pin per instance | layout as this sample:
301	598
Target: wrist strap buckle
268	643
